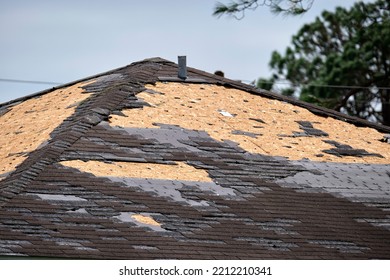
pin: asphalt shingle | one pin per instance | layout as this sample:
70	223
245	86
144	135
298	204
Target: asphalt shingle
89	191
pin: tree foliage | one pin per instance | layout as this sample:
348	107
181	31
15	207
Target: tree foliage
237	8
341	61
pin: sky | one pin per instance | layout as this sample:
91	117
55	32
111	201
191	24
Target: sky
62	41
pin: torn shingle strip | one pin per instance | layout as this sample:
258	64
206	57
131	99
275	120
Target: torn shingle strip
346	150
151	91
308	128
257	120
307	131
246	133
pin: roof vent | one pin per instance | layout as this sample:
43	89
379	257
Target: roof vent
182	61
182	74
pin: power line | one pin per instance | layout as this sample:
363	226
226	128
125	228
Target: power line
28	82
285	82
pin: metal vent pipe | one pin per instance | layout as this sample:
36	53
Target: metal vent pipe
182	61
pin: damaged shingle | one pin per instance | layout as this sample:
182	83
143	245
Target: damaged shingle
257	120
386	138
309	130
346	150
246	133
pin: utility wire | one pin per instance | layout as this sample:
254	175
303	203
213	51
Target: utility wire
276	83
325	86
28	82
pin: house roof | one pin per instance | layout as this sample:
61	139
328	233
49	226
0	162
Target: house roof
136	163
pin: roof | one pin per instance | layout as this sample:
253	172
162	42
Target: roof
136	163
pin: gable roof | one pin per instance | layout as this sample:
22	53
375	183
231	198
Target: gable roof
136	163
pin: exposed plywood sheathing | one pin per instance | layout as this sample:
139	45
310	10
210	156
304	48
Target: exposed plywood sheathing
28	125
145	220
270	124
179	171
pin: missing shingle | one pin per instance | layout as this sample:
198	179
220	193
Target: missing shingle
259	115
143	219
178	171
39	117
140	219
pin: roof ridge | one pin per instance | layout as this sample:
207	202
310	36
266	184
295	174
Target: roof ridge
214	79
315	109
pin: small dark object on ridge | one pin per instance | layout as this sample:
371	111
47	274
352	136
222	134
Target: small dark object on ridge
219	73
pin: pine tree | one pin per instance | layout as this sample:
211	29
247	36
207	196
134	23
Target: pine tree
340	61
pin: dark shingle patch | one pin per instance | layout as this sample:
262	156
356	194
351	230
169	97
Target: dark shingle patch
246	133
4	110
346	150
257	120
386	138
309	130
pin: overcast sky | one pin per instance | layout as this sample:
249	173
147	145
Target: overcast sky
62	41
